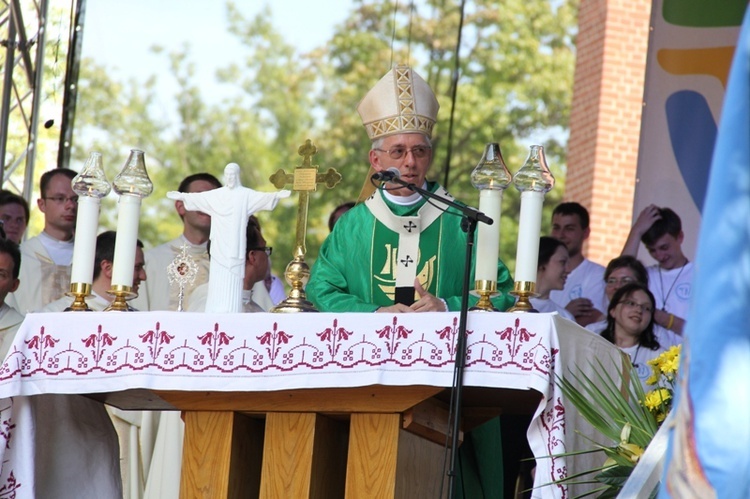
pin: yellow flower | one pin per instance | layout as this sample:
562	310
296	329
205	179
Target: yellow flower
665	364
630	451
656	398
654	378
670	366
625	433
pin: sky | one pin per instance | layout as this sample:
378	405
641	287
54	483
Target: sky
119	33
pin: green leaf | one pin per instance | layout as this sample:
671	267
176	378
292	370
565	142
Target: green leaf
616	475
610	493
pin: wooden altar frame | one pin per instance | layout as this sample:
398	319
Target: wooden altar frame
367	442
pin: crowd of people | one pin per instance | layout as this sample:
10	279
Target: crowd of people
647	317
395	252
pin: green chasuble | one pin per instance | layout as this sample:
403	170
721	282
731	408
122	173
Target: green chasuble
356	268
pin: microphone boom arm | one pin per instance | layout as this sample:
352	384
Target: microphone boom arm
467	211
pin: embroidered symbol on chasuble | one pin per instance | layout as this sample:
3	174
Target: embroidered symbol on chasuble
410	226
386	278
55	280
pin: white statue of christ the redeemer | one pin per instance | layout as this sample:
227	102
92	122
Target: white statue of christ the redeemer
230	208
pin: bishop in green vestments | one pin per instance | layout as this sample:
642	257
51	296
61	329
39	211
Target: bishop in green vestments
398	252
356	267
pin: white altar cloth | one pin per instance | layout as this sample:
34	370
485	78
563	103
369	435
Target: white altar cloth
100	352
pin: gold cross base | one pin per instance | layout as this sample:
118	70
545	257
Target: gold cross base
297	274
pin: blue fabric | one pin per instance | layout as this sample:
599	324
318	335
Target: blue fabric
716	362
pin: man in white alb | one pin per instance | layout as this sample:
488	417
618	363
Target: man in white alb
46	258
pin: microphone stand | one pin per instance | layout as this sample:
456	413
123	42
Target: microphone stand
469	223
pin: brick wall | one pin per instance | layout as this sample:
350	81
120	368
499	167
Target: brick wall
606	117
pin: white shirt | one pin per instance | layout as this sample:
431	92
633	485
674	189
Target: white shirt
545	305
639	357
586	281
672	289
61	252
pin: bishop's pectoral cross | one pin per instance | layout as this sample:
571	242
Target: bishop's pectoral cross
304	180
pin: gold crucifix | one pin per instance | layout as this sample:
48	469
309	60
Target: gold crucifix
304	180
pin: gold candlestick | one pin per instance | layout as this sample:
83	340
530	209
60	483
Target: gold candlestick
79	291
304	180
523	290
121	295
484	289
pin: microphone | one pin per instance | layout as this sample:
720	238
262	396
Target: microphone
387	175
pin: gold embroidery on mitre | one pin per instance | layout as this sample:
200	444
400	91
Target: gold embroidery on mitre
401	102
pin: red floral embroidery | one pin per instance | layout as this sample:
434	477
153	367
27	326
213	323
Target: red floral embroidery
273	339
97	341
41	343
333	336
214	339
155	339
392	333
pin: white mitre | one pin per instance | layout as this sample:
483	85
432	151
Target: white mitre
401	102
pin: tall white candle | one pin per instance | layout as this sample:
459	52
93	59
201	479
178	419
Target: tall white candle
84	247
128	218
529	229
488	236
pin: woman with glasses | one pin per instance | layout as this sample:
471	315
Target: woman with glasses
551	273
630	326
625	270
619	272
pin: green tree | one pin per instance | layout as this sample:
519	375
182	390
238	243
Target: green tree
514	87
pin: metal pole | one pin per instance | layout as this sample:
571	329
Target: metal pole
10	49
28	181
70	92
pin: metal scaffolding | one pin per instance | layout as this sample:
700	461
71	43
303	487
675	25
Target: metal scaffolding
23	40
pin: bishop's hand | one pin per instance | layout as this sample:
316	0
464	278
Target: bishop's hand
427	302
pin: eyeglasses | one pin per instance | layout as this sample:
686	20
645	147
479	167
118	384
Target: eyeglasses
63	199
614	281
646	309
267	250
399	152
